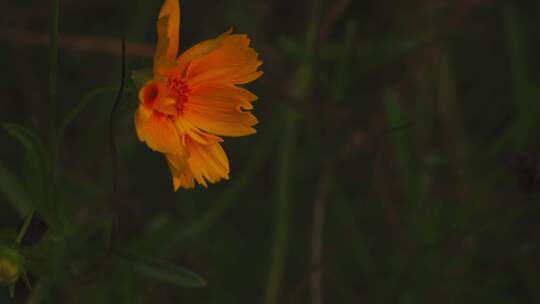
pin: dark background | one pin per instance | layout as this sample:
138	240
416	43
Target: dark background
396	159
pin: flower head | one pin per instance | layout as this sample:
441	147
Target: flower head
10	265
12	268
194	98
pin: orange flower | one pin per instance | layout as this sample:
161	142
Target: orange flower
194	98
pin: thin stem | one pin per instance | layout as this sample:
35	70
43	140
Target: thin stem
405	153
113	147
302	79
24	228
53	67
53	139
285	169
317	241
112	121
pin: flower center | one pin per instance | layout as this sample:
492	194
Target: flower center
179	91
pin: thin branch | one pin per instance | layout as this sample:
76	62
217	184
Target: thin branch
53	67
112	143
329	22
53	104
24	228
317	229
317	233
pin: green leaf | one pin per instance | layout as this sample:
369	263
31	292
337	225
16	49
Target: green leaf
28	139
81	105
141	76
14	192
37	159
161	270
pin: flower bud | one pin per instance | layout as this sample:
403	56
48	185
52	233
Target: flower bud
10	266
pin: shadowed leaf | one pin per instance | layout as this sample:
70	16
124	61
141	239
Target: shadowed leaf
160	270
14	192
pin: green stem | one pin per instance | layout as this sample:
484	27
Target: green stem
344	63
404	150
53	67
24	228
525	91
285	169
303	80
53	108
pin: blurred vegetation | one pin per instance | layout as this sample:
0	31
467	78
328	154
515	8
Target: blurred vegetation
396	159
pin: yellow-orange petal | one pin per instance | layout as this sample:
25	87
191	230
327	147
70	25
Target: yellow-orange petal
221	123
158	132
162	60
186	128
166	105
177	162
207	162
171	8
223	95
179	170
201	49
184	180
141	116
217	109
233	62
204	163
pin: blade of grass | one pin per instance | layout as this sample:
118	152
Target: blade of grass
14	192
425	113
402	143
161	270
449	114
525	93
285	169
68	119
37	158
31	143
327	179
303	80
24	228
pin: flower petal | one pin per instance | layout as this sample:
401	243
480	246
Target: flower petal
141	116
233	62
158	132
218	108
168	27
151	92
186	128
221	123
207	162
180	172
223	95
185	180
201	49
166	106
171	8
